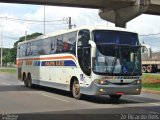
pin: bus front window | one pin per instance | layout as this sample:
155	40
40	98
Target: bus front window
118	56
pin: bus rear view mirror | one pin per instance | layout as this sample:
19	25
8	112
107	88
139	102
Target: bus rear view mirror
93	48
132	57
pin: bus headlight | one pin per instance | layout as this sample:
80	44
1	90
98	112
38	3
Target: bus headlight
137	82
101	82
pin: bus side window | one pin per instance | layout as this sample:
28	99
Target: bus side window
53	45
69	42
84	55
59	45
83	38
29	49
40	49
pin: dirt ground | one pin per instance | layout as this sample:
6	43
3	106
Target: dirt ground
151	91
151	80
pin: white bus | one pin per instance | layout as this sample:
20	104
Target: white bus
89	60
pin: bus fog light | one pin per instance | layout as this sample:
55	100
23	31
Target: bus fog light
138	81
101	90
101	82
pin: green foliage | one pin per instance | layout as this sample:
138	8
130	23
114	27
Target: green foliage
8	70
151	81
13	52
149	78
152	86
7	58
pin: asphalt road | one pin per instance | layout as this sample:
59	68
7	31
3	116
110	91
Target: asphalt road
19	102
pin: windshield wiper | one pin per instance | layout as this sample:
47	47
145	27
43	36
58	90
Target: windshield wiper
135	68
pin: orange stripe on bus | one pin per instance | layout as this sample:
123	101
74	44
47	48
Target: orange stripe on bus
49	58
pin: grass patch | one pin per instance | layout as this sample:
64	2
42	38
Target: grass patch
151	81
152	86
147	77
8	70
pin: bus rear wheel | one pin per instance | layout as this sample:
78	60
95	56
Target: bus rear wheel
76	90
115	97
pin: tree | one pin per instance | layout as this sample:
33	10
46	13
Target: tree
7	58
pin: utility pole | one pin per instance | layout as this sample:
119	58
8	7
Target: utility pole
2	45
69	23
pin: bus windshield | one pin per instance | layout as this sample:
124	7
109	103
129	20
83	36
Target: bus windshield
118	53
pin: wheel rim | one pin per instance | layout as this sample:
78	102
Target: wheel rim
149	69
144	69
76	88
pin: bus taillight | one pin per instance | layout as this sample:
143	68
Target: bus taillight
119	93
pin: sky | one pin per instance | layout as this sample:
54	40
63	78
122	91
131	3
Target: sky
12	18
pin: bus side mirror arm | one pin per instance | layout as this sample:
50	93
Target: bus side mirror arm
93	48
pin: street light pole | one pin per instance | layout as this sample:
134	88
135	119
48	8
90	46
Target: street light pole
1	44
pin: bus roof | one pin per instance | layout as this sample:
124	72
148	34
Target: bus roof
60	32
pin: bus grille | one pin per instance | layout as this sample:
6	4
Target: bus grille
121	83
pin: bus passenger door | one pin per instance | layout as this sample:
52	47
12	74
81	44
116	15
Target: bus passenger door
84	54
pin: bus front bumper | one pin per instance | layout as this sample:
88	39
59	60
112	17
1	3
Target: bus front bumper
112	89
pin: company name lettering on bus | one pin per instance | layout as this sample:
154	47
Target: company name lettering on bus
128	77
81	77
36	63
19	62
52	63
120	77
107	77
29	62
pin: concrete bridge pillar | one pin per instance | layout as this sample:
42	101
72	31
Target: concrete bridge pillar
122	15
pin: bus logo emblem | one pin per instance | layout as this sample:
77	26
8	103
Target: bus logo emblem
81	77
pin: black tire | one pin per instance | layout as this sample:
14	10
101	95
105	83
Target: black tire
76	90
144	69
149	68
115	97
29	79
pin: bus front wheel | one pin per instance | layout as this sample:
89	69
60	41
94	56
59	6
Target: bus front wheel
76	90
115	97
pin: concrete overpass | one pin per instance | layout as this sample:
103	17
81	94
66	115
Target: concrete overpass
116	11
